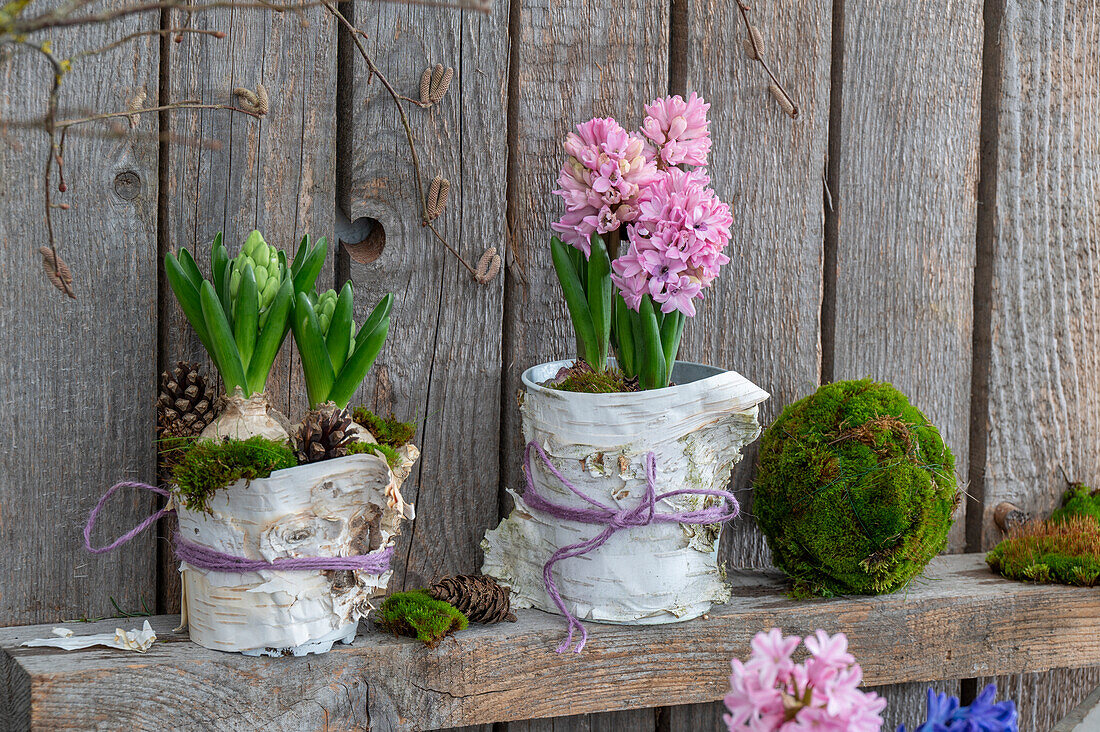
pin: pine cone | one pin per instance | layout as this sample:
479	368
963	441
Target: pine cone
185	406
326	432
479	597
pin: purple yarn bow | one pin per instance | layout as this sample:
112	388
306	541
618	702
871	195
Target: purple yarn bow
613	520
216	561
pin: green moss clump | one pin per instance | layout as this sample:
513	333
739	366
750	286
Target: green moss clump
1065	550
389	431
856	490
388	453
209	466
417	615
580	377
1078	500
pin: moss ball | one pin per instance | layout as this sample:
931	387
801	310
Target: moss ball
856	490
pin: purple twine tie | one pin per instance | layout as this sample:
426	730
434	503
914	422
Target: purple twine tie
612	520
213	560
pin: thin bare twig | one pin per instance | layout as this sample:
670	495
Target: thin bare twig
175	105
786	101
134	36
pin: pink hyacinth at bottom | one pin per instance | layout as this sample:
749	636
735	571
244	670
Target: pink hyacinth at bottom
771	693
676	242
601	181
677	131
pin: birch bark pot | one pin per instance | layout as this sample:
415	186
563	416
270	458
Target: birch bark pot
659	573
332	508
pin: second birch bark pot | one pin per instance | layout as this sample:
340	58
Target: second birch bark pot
659	573
333	508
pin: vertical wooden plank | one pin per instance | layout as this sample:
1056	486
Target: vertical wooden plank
233	173
1044	148
441	364
904	149
761	318
1044	373
79	375
905	196
557	85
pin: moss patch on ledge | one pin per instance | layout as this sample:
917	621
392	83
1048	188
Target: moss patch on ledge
210	466
1066	551
418	615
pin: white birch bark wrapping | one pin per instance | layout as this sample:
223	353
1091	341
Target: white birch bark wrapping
661	573
342	507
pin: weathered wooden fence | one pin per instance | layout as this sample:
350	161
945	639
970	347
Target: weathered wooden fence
930	220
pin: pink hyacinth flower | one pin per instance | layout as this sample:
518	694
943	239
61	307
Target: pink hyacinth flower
677	131
600	183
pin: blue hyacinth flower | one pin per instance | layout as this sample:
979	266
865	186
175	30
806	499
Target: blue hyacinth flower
984	715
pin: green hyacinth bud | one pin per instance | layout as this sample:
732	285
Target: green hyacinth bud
234	282
261	279
253	242
269	292
326	306
266	267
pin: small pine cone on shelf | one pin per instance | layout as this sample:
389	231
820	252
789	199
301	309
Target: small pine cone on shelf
325	433
479	597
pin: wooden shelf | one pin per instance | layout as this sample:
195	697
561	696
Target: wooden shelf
958	621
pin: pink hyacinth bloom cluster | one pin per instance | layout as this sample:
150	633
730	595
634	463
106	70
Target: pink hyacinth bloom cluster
676	242
771	693
606	173
677	131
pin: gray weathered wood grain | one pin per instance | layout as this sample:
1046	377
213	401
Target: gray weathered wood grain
441	365
905	199
1044	373
78	375
631	720
1042	416
1075	721
1045	698
906	155
761	317
959	620
232	173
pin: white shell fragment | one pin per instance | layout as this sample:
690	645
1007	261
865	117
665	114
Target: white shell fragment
660	573
125	640
342	507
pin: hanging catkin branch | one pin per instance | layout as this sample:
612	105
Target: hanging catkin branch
754	49
437	196
57	271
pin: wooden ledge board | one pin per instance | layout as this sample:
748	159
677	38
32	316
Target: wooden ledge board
958	621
